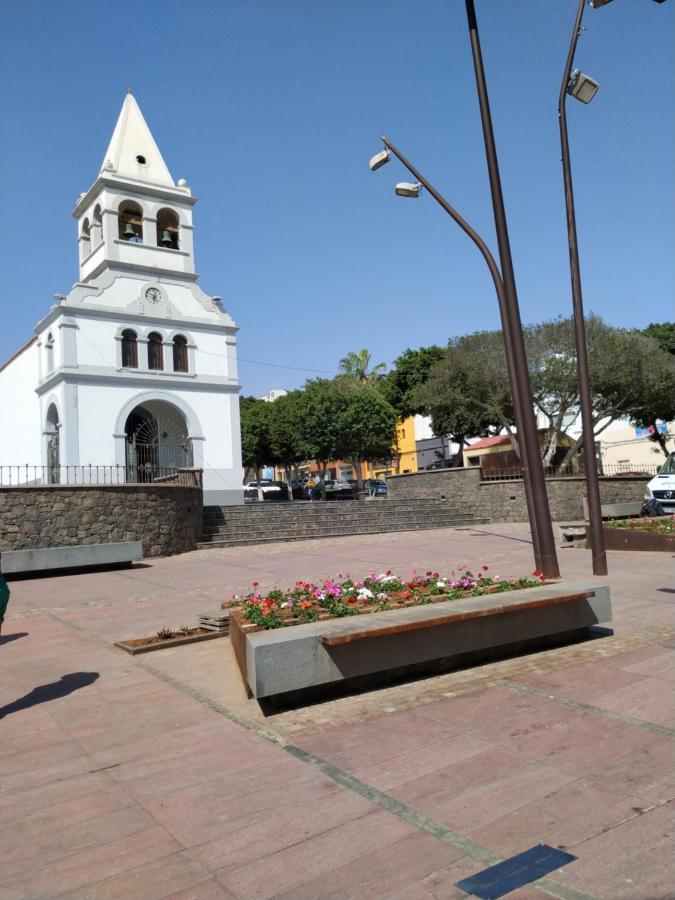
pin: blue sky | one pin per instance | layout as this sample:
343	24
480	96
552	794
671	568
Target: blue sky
271	109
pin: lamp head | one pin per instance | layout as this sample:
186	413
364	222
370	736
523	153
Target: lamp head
596	4
582	86
405	189
380	159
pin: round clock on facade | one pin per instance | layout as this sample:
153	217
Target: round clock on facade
153	295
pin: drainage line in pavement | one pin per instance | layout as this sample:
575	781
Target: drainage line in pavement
379	798
588	707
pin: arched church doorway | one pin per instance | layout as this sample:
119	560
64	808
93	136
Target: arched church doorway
53	455
157	441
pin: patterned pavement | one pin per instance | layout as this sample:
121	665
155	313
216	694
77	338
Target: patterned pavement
153	776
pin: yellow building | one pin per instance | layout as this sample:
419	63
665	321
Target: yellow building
404	458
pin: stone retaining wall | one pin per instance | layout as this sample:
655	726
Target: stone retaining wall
166	518
504	501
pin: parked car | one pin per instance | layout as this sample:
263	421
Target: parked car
283	488
375	487
270	490
662	486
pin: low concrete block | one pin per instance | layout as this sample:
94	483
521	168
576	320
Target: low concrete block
46	558
297	658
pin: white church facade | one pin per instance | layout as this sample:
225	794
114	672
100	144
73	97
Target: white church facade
135	370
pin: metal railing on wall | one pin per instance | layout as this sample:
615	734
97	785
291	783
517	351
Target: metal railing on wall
41	476
515	473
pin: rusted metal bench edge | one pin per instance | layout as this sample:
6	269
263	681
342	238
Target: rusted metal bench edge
336	640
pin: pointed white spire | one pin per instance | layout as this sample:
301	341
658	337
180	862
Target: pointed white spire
132	150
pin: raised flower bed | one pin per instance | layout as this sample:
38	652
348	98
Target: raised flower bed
343	630
655	534
167	637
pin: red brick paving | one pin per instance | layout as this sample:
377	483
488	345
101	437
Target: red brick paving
133	787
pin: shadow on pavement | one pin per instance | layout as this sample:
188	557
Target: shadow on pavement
52	691
8	638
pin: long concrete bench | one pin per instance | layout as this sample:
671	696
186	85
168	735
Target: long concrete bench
434	637
616	510
45	559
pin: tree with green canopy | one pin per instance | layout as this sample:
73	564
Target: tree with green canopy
663	333
256	448
322	402
286	445
467	392
410	370
630	377
366	427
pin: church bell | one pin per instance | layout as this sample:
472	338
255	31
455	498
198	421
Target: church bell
129	231
166	239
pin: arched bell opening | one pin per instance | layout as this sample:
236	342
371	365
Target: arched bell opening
168	229
130	222
96	227
157	442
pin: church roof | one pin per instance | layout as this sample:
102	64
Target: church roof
132	150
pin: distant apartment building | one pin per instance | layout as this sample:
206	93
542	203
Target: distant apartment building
273	395
623	447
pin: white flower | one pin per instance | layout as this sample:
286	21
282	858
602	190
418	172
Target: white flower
385	578
440	584
364	593
383	596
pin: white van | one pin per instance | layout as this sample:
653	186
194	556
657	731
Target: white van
662	486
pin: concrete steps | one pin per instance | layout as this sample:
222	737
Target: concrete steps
267	523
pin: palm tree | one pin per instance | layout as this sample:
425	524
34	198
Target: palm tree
356	366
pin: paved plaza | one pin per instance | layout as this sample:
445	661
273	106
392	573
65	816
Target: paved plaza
154	776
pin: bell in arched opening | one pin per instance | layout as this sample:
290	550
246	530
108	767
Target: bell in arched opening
168	229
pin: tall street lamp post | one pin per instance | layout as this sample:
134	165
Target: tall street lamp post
548	564
528	435
583	88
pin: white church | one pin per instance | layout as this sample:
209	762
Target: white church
135	370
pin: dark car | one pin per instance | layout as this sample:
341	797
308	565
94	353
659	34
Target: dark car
375	487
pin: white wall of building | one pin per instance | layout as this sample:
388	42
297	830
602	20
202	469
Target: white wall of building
20	429
621	447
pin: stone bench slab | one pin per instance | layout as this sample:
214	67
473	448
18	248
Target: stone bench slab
14	562
322	653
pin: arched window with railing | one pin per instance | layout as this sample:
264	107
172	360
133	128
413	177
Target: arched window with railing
168	229
129	349
130	222
180	354
155	351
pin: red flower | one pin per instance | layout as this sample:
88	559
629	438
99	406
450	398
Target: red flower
537	573
436	575
405	594
255	583
352	599
305	604
485	568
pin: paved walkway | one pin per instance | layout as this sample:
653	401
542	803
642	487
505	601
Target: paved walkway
154	776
